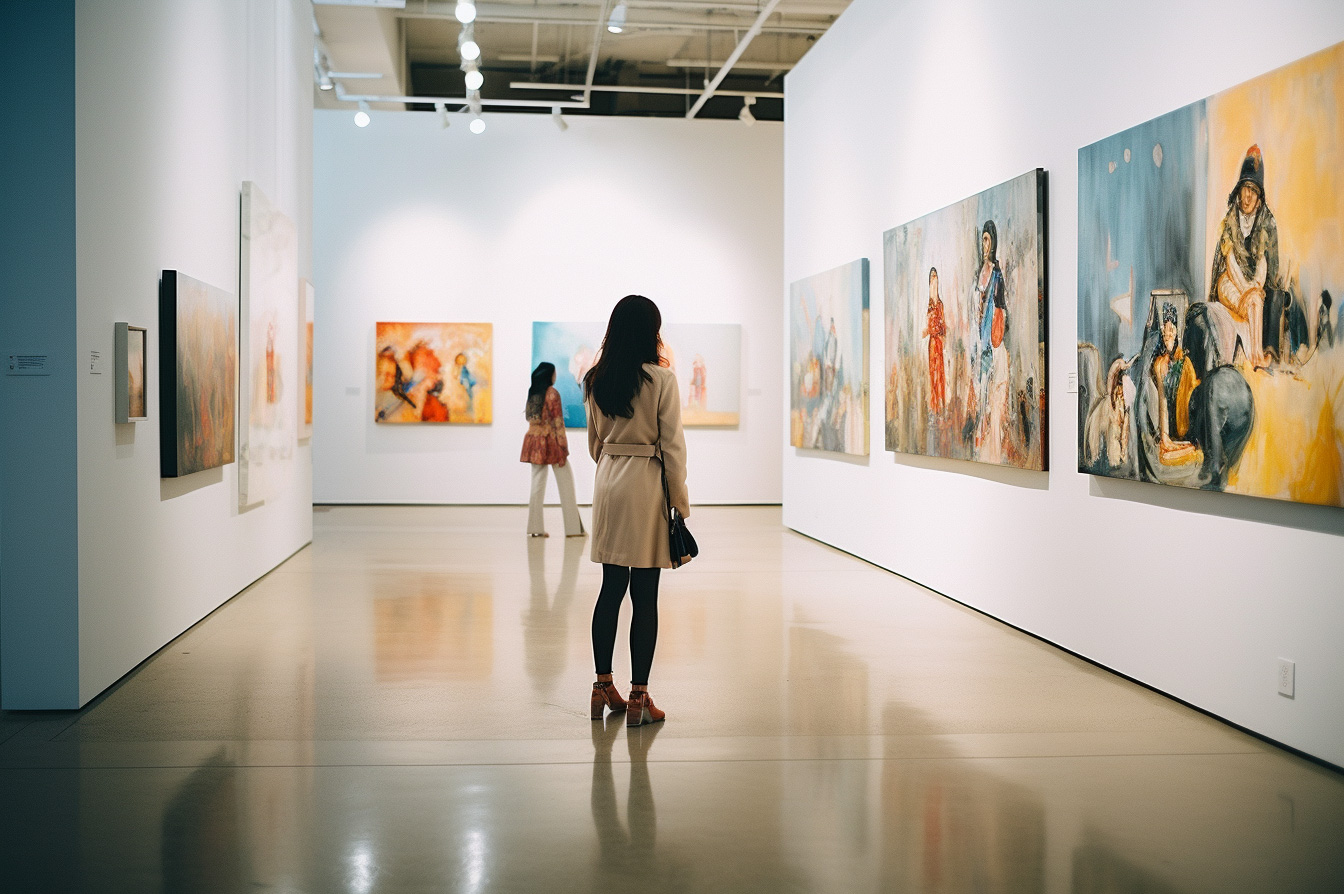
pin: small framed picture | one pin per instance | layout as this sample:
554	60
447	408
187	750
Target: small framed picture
129	348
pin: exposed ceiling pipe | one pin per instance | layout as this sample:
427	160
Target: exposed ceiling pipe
624	88
573	15
461	100
592	57
742	45
740	65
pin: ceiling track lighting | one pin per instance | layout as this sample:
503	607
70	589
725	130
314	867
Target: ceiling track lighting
559	119
467	47
474	79
362	116
465	11
616	22
745	115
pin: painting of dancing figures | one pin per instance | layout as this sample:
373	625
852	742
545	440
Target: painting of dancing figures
965	329
828	323
1210	259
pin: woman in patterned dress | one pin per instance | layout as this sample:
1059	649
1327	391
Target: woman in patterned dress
546	447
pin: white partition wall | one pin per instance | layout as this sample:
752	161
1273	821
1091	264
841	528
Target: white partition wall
906	107
173	105
523	223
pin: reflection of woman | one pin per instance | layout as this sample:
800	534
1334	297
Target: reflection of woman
1175	380
546	447
634	416
935	329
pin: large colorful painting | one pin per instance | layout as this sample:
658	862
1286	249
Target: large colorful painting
1210	256
269	374
707	358
433	372
828	354
573	348
965	328
198	375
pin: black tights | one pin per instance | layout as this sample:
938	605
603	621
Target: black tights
643	584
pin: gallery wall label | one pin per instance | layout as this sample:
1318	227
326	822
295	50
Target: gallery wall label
28	365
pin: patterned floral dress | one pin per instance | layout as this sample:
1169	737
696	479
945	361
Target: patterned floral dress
545	443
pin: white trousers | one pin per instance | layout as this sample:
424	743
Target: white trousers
564	482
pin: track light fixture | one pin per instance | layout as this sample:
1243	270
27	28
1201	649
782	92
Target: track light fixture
362	116
745	115
474	78
559	119
467	47
616	22
477	124
465	11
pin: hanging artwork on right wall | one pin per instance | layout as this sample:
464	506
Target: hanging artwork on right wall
828	360
965	326
1210	261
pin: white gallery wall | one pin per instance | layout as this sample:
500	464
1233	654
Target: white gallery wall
175	105
523	223
904	108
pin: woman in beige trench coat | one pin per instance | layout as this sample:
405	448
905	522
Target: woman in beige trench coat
634	415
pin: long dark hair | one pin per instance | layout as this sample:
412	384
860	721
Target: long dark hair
631	341
542	377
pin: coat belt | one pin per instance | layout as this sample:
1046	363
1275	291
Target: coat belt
628	449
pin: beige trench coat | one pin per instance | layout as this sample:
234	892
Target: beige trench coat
629	526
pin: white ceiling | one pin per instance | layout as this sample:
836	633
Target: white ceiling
670	48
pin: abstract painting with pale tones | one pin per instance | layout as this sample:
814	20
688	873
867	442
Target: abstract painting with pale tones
199	363
828	360
433	372
269	374
1210	264
707	358
135	372
572	348
965	329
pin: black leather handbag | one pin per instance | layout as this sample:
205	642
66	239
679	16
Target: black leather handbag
681	546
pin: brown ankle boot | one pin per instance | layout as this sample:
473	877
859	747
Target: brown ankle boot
642	710
605	696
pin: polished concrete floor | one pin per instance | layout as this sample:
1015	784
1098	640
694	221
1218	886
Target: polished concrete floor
402	706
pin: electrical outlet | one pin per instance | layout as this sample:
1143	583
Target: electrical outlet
1287	677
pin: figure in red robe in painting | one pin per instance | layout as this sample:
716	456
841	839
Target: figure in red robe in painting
935	330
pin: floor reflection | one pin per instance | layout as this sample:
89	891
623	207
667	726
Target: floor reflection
627	854
433	627
949	826
203	842
546	618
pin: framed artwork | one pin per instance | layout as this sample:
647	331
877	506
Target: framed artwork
307	301
433	372
269	369
198	375
573	348
828	360
707	358
1210	257
966	329
129	348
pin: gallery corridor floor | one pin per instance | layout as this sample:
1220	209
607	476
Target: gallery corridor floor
402	706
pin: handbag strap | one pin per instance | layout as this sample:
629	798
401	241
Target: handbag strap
662	466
